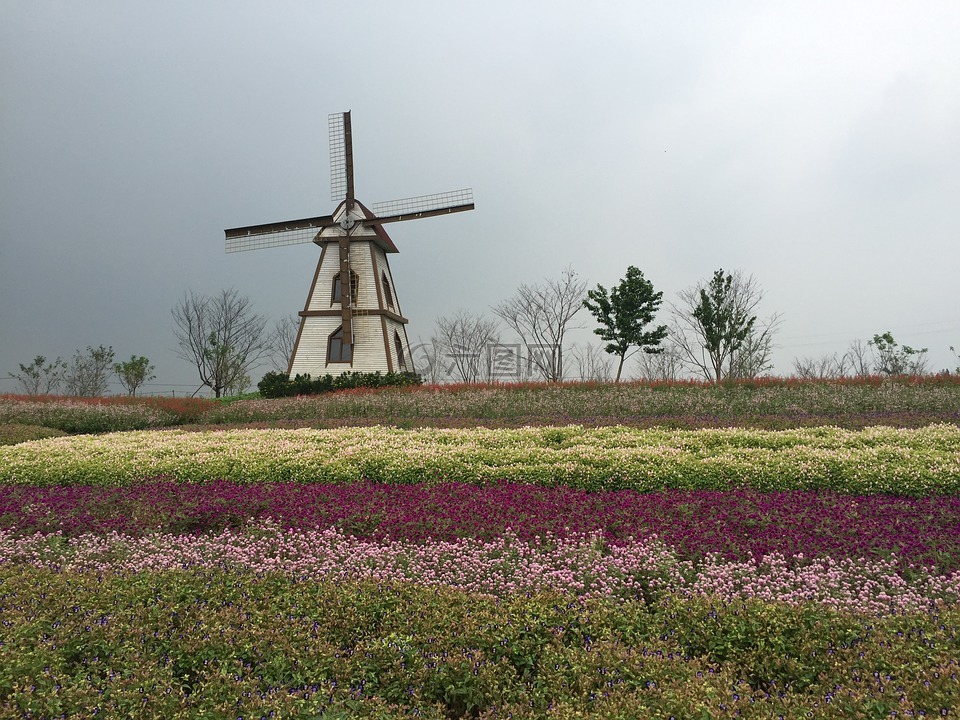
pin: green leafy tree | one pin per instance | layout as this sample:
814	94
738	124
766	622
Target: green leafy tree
895	359
725	326
716	330
134	372
40	377
624	313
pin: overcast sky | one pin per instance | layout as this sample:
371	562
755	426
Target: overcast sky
814	145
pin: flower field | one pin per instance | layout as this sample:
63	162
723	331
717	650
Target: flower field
874	460
736	525
558	570
86	415
765	403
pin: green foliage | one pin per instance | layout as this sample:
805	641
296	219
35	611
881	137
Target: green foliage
894	359
767	403
274	384
227	399
98	415
217	644
279	384
13	433
624	313
40	377
725	324
764	403
134	372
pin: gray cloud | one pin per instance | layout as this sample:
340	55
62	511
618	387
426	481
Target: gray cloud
815	147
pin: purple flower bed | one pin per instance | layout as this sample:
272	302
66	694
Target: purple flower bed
737	525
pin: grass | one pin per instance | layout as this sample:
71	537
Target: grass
13	433
769	403
774	404
97	415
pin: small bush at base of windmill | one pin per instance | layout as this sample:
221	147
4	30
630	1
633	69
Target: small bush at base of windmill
277	384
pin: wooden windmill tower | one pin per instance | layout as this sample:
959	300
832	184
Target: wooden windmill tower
351	321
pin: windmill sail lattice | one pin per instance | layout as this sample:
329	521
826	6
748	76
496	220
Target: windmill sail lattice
293	232
341	156
351	320
422	206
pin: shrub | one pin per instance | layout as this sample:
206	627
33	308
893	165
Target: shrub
278	384
13	433
98	415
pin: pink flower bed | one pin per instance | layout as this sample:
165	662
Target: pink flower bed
582	564
738	524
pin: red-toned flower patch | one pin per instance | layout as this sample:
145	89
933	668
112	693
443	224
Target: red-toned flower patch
736	525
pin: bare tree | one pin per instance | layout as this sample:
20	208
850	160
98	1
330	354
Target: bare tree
827	367
87	374
880	356
591	362
541	316
665	365
40	377
859	359
284	338
222	337
754	357
427	361
716	329
238	385
466	341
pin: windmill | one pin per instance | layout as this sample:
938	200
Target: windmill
351	320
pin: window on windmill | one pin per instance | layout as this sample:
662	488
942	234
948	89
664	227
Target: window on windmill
387	295
401	361
336	296
337	349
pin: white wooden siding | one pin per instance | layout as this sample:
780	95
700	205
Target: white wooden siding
311	357
360	263
369	352
384	266
320	298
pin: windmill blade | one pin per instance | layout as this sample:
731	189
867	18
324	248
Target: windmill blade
291	232
341	156
422	206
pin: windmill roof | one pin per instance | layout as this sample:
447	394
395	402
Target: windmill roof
373	233
385	243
